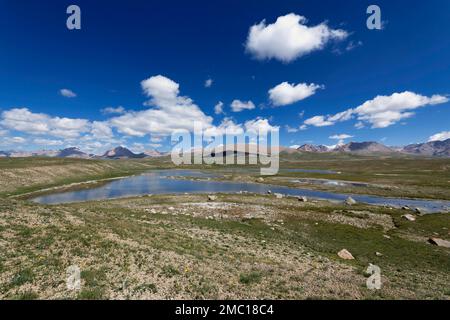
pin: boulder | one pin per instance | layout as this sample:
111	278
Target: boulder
406	208
409	217
260	179
350	201
439	242
303	199
378	254
279	195
345	254
212	198
269	192
418	210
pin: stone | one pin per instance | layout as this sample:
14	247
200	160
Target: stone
378	254
212	198
269	192
418	210
439	242
386	236
279	195
406	208
409	217
350	201
303	199
260	179
345	254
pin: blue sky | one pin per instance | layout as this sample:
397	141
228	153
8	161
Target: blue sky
322	51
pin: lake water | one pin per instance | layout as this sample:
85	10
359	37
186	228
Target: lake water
163	182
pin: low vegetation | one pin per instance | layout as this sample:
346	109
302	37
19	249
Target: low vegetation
239	246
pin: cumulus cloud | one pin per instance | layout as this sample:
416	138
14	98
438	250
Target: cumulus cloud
286	93
113	110
441	136
22	119
318	121
208	83
238	105
218	108
260	125
67	93
382	111
169	111
289	38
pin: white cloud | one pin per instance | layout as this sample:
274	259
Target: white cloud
22	119
441	136
170	111
112	110
238	105
260	125
67	93
226	127
289	129
359	125
289	38
48	142
341	136
295	146
318	121
11	141
286	93
208	83
218	108
382	111
101	130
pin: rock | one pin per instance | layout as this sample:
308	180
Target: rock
378	254
345	254
269	192
212	198
439	242
303	199
350	201
279	195
418	210
409	217
386	236
260	179
406	208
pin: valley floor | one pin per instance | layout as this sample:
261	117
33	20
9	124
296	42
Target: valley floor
238	246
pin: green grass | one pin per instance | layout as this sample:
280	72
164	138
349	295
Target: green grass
22	277
250	278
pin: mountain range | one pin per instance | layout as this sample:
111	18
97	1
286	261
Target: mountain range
432	148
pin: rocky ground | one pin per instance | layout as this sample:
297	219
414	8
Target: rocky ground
238	246
234	247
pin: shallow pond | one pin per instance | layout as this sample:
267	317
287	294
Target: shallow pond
163	182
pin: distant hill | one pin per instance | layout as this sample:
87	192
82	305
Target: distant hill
122	153
364	148
72	153
432	148
152	153
313	148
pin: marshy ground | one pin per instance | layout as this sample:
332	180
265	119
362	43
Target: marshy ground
238	246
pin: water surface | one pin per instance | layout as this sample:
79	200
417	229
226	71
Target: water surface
163	182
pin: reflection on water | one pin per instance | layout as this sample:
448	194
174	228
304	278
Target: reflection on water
159	182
